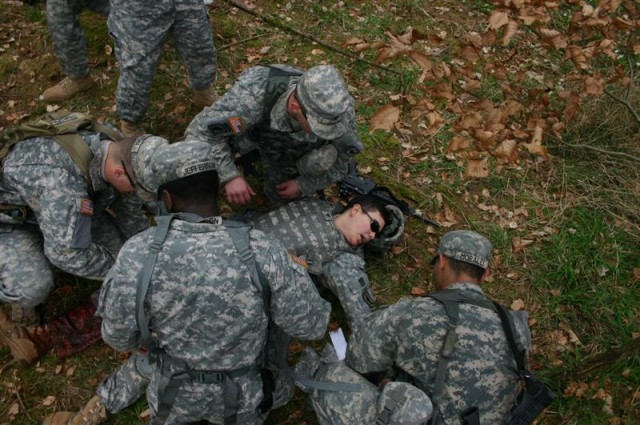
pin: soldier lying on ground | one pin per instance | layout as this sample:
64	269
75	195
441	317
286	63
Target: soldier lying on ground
330	240
54	214
204	316
302	122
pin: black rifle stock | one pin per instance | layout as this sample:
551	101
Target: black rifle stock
353	184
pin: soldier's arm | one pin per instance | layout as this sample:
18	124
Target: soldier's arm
373	342
296	307
130	217
243	100
346	277
64	212
117	305
315	171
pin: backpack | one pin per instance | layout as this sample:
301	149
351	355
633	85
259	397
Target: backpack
534	397
62	126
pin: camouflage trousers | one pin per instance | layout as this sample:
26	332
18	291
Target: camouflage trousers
26	275
67	35
126	385
140	28
398	403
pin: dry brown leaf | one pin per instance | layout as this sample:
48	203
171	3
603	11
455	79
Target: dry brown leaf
469	120
13	410
458	143
421	60
49	400
518	243
535	147
397	250
498	19
477	167
594	85
385	118
58	369
509	33
71	371
418	291
469	54
352	41
517	305
506	152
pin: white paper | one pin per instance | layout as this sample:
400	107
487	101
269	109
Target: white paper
339	343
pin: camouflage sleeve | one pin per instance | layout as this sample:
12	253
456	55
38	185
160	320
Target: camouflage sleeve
296	306
373	343
64	218
130	217
245	100
346	277
346	147
117	304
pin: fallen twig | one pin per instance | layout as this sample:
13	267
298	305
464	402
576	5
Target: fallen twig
244	40
604	151
288	28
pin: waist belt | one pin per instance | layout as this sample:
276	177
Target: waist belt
170	383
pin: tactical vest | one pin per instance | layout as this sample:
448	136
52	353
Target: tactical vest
275	145
63	127
306	229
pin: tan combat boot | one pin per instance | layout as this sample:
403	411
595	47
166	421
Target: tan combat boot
205	97
23	347
129	128
92	413
24	316
66	89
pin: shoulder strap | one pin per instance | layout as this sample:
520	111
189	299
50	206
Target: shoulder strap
510	331
277	84
78	150
162	229
240	236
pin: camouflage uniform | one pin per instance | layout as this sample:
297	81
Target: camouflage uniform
139	30
408	336
67	225
307	229
67	35
242	117
126	385
202	305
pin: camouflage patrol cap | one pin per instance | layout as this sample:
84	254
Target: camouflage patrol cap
324	96
467	246
401	403
156	162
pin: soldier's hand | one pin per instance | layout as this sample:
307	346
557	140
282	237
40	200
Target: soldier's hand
289	190
238	191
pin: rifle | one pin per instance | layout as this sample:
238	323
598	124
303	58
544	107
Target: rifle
353	184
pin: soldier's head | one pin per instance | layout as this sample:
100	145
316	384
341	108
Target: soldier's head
320	102
462	255
180	175
117	165
362	220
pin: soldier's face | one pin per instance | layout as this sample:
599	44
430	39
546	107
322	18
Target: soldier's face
363	226
296	111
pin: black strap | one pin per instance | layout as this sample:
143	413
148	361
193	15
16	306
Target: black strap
509	329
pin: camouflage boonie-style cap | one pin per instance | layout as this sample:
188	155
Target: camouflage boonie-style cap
156	162
467	246
401	403
325	99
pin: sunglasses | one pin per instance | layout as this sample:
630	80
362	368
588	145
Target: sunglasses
133	184
375	226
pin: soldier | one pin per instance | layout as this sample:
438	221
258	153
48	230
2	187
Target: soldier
205	314
302	123
53	214
330	242
139	30
473	382
67	36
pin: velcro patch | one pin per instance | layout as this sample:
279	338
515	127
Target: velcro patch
200	167
86	207
236	125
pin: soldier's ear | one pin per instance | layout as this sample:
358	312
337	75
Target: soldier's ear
485	275
166	199
355	209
